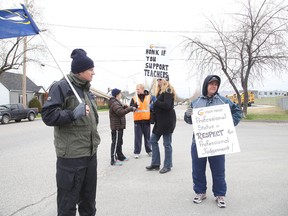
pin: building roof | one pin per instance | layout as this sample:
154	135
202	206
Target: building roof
99	93
13	82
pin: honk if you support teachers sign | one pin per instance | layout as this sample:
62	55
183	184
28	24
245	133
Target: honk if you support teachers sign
214	131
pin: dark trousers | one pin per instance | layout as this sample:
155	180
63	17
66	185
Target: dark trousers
76	185
141	129
217	166
116	145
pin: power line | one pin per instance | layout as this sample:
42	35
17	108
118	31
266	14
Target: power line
126	30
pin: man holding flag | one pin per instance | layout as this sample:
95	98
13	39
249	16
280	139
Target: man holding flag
76	138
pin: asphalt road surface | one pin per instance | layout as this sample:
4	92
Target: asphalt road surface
257	177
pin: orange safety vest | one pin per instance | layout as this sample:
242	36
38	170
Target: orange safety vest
143	110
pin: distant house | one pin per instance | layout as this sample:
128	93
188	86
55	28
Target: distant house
11	89
101	97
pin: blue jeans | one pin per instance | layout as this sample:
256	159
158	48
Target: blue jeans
167	141
217	166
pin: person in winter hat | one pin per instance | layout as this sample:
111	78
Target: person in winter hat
81	62
76	137
117	112
210	97
115	92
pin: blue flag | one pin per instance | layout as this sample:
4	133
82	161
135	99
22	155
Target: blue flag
16	23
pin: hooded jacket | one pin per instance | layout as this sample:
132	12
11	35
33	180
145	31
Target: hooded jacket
205	101
72	138
117	114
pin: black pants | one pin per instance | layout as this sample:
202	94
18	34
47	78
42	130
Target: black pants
116	145
76	184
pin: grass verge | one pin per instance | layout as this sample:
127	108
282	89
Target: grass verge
272	113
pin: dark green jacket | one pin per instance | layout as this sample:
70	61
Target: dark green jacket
72	138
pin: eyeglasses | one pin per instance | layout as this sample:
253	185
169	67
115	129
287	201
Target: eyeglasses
159	79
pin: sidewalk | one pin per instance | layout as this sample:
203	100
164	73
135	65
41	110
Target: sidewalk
256	177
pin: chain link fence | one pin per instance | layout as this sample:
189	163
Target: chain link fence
283	103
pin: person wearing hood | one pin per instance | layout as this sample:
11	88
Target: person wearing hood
117	112
76	137
210	97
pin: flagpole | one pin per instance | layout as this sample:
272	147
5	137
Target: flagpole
65	76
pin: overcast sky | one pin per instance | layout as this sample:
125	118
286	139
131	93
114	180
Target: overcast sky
116	33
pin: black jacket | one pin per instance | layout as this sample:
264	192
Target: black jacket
165	116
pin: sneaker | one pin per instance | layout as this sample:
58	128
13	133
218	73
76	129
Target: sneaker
199	197
123	159
136	156
116	163
149	154
220	201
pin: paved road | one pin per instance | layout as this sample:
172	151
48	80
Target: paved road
257	177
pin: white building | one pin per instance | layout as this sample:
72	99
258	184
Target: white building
275	93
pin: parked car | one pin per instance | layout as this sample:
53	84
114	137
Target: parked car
16	112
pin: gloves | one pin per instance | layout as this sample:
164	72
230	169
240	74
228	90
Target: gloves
79	111
133	109
189	112
135	105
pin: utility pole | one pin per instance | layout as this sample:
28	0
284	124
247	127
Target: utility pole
24	99
24	86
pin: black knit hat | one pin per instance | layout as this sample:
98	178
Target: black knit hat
115	92
81	62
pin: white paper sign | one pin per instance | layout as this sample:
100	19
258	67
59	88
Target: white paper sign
156	61
214	131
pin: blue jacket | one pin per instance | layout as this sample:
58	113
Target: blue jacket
205	101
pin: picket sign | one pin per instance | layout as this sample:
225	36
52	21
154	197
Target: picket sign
157	61
214	131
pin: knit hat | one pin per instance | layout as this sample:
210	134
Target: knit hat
115	92
81	62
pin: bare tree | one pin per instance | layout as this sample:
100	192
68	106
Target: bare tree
12	52
254	45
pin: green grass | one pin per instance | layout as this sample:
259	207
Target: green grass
270	113
273	101
267	117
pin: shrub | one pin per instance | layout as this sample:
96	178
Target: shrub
102	107
35	103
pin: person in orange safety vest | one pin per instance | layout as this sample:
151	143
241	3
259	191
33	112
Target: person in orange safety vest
142	114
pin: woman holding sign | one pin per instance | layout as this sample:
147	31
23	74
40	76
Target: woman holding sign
210	97
165	122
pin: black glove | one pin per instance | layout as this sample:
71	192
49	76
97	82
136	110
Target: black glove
135	105
79	111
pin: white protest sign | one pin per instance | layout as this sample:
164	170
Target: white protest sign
156	61
214	131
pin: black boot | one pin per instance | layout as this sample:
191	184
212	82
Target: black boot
153	167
